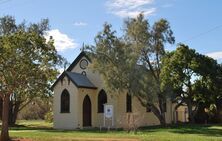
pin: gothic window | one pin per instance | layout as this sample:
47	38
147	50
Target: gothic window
84	73
102	99
165	107
128	103
148	109
65	102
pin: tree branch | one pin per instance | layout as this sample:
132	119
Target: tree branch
23	106
150	66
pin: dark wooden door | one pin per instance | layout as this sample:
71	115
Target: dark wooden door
87	111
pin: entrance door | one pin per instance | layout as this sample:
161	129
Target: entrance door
86	111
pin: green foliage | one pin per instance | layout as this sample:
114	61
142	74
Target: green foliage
110	59
28	63
194	77
35	110
132	62
49	117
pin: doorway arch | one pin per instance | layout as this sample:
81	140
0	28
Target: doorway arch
87	111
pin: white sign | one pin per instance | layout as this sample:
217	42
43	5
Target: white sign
108	111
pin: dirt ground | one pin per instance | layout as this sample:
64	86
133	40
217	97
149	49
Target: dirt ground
104	139
21	140
88	139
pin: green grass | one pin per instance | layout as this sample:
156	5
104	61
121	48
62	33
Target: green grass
41	131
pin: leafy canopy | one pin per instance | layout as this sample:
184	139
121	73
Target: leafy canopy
195	78
131	63
27	62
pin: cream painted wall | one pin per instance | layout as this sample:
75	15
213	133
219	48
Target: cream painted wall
93	76
181	114
65	120
74	119
141	117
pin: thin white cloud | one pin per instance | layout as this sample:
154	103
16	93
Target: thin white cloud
61	41
80	24
167	5
130	8
215	55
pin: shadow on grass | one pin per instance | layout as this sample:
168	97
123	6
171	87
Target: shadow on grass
23	127
205	130
50	129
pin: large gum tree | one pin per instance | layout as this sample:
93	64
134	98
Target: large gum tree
132	62
27	63
195	79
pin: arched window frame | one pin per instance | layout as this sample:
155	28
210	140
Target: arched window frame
102	99
128	103
148	109
65	102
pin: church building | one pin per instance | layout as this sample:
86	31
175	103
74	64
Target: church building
80	97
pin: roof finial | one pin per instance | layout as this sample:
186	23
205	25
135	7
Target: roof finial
83	47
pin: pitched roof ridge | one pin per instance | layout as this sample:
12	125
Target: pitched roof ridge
73	64
69	72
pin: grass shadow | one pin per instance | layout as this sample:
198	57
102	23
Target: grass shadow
24	127
205	130
50	129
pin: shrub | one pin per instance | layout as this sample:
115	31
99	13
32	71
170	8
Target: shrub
49	117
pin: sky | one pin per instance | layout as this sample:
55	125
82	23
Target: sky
197	23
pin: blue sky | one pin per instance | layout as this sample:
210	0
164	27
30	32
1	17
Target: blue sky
197	23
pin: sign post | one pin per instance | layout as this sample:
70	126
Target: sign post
108	113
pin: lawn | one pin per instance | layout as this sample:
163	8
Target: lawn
41	131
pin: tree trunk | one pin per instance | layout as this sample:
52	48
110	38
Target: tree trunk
14	109
5	115
155	110
11	113
158	114
1	102
162	110
190	112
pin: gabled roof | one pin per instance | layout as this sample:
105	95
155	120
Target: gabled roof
79	80
77	60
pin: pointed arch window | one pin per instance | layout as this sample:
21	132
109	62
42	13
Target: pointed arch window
65	102
148	109
102	99
128	103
